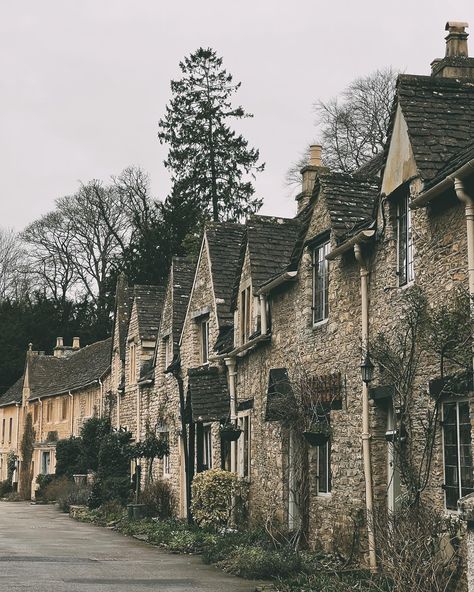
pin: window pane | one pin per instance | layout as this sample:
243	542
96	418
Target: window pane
402	241
320	283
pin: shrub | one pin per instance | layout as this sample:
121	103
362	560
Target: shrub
69	457
76	496
57	488
93	432
215	494
257	562
112	510
43	481
159	499
5	487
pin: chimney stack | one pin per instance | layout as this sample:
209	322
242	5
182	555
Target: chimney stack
76	343
58	350
309	174
456	62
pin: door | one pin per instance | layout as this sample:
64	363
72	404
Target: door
393	469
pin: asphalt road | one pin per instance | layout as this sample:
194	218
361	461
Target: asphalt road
43	550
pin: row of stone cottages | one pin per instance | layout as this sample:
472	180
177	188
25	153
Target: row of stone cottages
267	330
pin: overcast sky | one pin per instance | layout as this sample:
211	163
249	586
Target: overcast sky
83	83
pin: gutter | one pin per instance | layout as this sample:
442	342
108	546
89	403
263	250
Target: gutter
361	237
424	198
286	276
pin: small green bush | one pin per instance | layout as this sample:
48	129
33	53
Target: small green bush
56	488
69	457
76	496
43	481
333	582
159	499
5	488
257	562
215	494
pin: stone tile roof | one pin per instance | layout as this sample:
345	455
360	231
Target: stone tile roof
439	113
149	302
147	370
53	376
373	167
183	276
224	240
458	160
209	394
270	242
225	340
14	394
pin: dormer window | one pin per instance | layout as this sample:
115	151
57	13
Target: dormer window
245	315
405	268
320	282
204	339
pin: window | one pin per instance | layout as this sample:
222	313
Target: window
10	430
133	363
64	407
207	447
458	480
3	430
243	447
165	436
245	315
168	350
35	412
405	269
49	411
45	462
324	468
204	337
320	283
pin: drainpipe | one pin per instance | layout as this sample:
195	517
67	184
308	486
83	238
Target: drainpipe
231	363
468	202
71	399
364	282
101	405
17	437
263	314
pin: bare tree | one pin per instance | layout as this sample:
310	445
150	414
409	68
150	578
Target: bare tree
353	127
12	279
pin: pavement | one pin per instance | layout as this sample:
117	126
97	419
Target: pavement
43	550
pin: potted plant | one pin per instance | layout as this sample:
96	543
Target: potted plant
318	433
229	432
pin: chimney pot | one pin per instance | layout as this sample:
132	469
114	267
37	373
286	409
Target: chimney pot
59	342
76	344
456	40
315	155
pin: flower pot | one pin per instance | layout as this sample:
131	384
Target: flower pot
316	438
230	434
136	511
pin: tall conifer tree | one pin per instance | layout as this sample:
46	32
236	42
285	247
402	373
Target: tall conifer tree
212	166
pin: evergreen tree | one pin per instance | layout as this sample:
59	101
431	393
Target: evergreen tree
211	165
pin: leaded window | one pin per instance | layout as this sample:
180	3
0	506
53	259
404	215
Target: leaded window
406	271
320	283
458	478
324	468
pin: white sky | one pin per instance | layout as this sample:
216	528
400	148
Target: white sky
83	83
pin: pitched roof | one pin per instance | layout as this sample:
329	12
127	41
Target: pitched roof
461	157
49	375
439	113
14	394
350	200
149	303
224	240
209	394
183	275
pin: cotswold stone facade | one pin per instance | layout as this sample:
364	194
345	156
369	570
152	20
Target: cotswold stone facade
268	328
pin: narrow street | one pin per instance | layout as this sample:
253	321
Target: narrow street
43	550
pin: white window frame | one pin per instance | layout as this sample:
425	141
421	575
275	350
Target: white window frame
327	457
207	445
245	441
320	268
405	259
204	340
458	450
245	314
